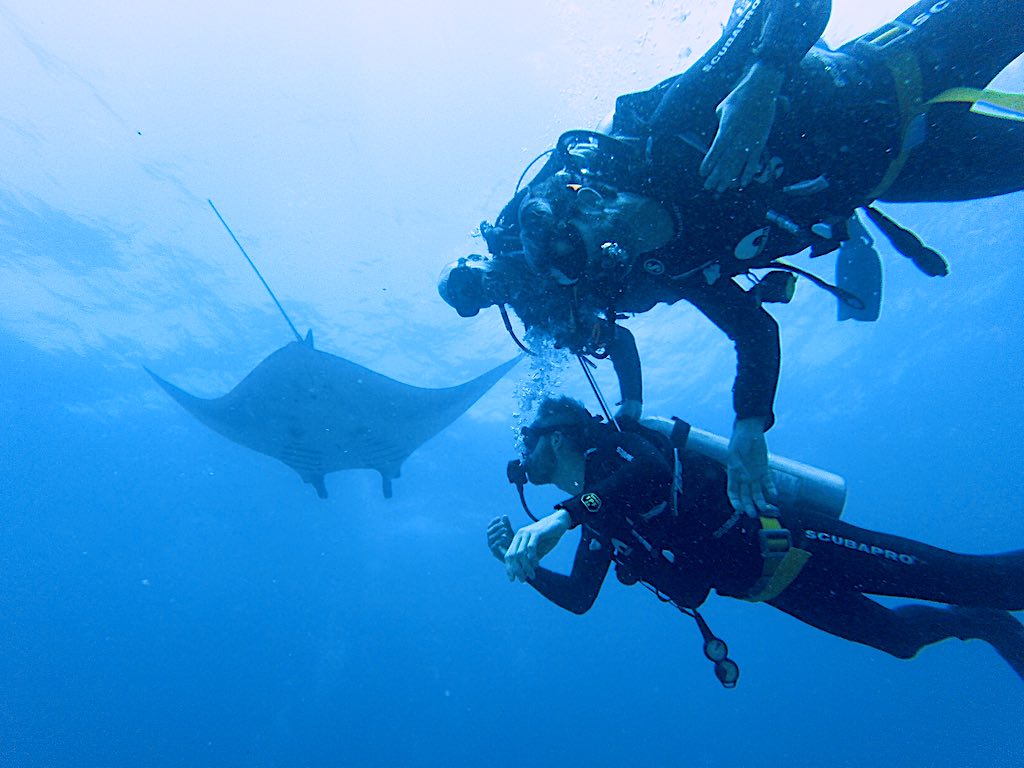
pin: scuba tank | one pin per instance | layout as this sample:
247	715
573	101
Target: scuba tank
798	485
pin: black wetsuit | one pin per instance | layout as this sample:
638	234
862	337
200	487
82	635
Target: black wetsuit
702	545
843	136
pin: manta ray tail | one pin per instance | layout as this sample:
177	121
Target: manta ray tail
318	486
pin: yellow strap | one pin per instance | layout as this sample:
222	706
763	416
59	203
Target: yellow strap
1006	106
906	74
781	569
784	575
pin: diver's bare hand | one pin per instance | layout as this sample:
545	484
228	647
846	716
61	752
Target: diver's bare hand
750	486
629	410
745	120
532	542
499	536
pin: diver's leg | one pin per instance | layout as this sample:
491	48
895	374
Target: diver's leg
860	560
962	42
964	155
901	631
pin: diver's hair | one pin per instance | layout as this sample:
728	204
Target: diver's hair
547	203
536	217
568	413
544	230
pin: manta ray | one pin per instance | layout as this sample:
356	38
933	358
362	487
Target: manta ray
320	413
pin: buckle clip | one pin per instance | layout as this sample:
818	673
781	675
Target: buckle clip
774	543
886	35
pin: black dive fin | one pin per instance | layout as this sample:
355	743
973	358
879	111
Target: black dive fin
906	242
319	487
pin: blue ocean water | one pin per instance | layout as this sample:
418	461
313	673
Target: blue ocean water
168	598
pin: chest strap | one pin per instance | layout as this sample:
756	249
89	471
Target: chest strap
782	562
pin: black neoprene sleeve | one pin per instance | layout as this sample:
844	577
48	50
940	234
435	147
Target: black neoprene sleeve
756	337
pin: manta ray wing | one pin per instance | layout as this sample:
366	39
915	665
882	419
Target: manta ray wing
319	413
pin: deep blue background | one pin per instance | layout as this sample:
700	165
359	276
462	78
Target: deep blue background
168	598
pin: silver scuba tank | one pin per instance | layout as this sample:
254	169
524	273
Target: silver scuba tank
798	486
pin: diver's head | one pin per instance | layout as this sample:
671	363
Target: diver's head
555	442
464	284
566	227
551	242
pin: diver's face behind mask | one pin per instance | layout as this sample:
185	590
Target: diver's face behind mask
551	244
540	460
565	227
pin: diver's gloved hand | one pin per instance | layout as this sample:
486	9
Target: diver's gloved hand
532	542
750	485
630	410
745	120
499	536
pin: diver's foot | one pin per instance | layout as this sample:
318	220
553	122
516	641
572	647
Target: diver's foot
1000	629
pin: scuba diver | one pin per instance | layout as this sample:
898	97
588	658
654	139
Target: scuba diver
765	147
658	510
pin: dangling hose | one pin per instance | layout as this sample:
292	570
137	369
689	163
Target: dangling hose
726	670
511	332
533	162
849	299
585	365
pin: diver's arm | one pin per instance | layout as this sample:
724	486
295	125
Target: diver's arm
625	359
738	80
756	336
745	119
791	28
746	115
533	542
770	36
577	591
